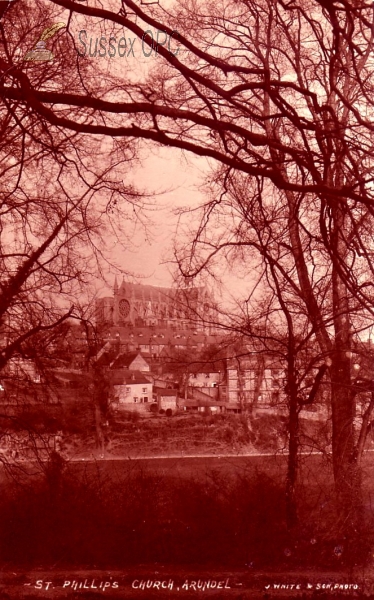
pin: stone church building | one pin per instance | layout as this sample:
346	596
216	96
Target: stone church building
140	305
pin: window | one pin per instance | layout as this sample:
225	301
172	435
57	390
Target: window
135	399
145	399
144	390
128	390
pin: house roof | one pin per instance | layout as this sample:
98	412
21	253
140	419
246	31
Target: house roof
125	359
104	359
128	377
107	353
207	368
158	335
206	402
72	375
165	391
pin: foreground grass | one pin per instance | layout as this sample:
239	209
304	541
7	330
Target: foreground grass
108	516
227	512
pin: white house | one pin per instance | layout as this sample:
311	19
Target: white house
166	398
132	391
204	378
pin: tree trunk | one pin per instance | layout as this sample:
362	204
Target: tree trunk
365	428
100	438
101	402
292	464
344	453
259	378
345	464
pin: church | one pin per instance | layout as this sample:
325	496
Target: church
141	305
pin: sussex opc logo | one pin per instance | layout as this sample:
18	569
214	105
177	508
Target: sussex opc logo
40	52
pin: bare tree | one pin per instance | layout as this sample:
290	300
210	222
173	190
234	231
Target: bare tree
57	198
255	234
274	329
280	92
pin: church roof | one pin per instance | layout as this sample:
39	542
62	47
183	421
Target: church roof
145	291
151	292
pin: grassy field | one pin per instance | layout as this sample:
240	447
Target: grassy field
223	510
129	434
226	511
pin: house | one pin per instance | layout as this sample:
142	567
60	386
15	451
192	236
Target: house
71	378
164	381
22	369
204	378
255	380
159	343
166	398
208	405
132	391
204	381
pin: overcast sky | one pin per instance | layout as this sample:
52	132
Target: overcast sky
174	179
173	176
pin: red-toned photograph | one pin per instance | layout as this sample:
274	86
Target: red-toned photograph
186	299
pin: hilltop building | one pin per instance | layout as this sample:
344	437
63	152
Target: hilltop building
140	305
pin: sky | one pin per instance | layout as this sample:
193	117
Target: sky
174	179
173	176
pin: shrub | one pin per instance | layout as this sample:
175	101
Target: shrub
229	434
